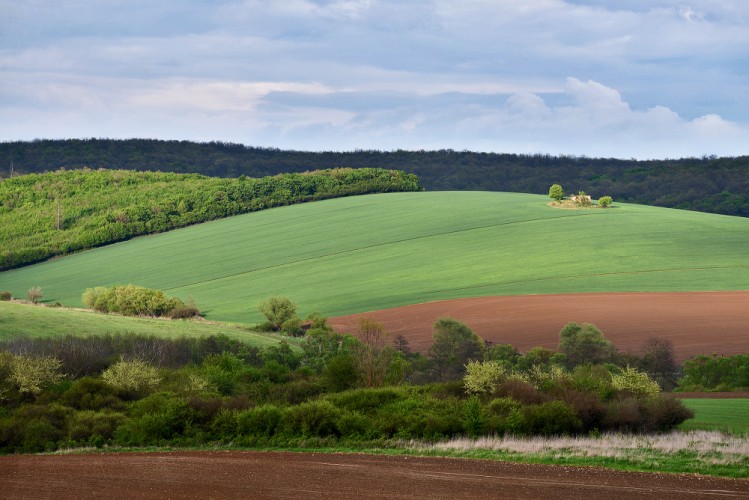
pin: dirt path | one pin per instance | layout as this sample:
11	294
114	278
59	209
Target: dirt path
696	322
310	475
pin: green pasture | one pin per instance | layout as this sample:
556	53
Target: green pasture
35	321
371	252
731	415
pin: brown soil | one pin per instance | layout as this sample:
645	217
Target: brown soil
696	322
315	475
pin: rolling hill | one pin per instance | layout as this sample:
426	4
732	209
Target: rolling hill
372	252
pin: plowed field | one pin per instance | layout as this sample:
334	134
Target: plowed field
696	322
328	476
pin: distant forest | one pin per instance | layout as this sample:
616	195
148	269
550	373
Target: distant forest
707	184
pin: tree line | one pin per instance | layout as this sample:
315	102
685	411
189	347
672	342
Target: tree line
60	212
708	184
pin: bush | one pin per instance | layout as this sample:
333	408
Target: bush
130	300
556	192
635	382
5	296
312	419
605	201
483	377
548	419
34	294
85	425
133	377
156	419
31	375
262	421
184	312
278	310
89	393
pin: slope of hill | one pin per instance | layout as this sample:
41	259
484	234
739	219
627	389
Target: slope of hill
708	184
61	212
37	322
372	252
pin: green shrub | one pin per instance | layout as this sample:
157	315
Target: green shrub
474	419
156	419
263	421
278	310
5	296
548	419
314	418
31	375
605	201
132	377
354	425
366	401
130	300
89	393
635	382
86	424
482	377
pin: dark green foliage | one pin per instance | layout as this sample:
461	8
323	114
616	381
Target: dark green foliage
261	421
311	419
269	398
454	346
716	373
6	296
554	418
105	206
90	393
707	184
584	344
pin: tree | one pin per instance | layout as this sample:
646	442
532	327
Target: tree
278	310
584	344
454	346
373	354
556	192
658	362
605	201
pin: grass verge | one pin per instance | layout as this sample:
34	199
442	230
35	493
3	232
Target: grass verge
38	321
710	453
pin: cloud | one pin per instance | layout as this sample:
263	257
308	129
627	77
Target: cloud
624	77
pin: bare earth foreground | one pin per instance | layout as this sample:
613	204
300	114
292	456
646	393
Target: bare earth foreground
696	322
315	475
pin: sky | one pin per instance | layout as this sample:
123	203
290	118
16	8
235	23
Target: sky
610	78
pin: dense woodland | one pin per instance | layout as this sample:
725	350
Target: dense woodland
708	184
56	213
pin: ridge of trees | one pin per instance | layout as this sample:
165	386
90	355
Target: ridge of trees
57	213
707	184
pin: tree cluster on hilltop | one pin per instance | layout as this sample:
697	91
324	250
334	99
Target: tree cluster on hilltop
708	184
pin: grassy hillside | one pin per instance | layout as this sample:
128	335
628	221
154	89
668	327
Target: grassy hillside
357	254
729	415
33	321
61	212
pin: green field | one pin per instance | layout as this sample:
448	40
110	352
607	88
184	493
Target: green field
34	321
731	415
370	252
